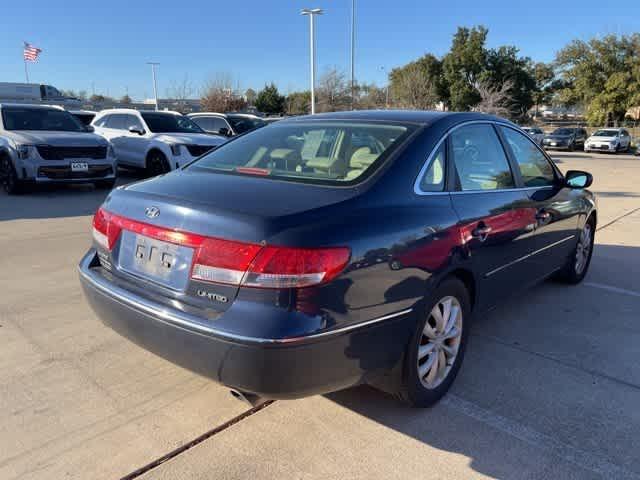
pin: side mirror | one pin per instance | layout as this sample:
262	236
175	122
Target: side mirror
225	132
138	130
90	128
578	179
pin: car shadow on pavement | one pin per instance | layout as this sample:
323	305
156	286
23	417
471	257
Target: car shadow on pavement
57	201
479	419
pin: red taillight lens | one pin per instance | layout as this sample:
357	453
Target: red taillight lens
236	263
105	231
223	261
285	267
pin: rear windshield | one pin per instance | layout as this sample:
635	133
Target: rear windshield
244	124
563	131
21	118
323	152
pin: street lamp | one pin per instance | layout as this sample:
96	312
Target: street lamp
387	89
353	47
312	12
155	85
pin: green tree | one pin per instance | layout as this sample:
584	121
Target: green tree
125	100
419	84
602	74
270	101
463	65
505	70
298	103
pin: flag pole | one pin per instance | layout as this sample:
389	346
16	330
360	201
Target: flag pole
26	71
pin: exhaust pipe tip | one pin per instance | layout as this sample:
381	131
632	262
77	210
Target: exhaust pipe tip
250	399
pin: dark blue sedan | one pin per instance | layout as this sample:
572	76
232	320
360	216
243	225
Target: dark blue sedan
327	251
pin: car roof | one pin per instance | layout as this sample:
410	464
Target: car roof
133	110
422	117
31	105
204	114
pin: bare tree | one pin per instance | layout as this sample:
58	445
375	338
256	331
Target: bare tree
181	91
218	95
495	100
333	92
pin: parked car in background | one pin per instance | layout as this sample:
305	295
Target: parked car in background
265	264
534	132
85	116
156	141
609	140
44	144
565	138
227	124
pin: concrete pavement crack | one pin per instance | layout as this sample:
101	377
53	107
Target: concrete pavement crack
187	446
615	220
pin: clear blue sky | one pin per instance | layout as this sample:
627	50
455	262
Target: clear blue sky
106	43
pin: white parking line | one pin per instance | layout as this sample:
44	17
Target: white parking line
611	288
586	460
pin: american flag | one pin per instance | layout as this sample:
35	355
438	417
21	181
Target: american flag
30	52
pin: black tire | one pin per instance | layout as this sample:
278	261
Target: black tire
574	272
11	184
157	164
105	184
413	389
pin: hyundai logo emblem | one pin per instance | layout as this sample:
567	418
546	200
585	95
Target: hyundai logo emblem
152	212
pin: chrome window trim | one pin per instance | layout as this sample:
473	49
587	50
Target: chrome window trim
416	185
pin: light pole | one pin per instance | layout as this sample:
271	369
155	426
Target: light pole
155	85
353	47
312	12
387	89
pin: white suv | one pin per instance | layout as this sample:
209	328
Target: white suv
156	141
45	143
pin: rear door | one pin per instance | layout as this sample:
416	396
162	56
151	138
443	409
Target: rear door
497	221
555	216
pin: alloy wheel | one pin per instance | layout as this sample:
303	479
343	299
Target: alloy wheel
440	342
583	249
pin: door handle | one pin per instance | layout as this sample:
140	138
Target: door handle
481	232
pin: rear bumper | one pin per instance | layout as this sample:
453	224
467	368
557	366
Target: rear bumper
272	368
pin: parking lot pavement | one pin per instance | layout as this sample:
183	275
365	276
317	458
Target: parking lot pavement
76	400
550	387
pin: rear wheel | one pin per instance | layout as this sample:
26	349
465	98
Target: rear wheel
9	178
434	356
578	263
157	163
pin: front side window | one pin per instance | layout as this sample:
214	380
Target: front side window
159	122
433	179
24	118
117	121
133	121
320	152
479	159
535	169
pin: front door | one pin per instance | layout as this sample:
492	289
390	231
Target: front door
496	218
555	207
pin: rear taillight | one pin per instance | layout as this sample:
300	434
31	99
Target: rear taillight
105	231
235	263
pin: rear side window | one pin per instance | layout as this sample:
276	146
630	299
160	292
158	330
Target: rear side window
535	169
324	152
479	159
433	178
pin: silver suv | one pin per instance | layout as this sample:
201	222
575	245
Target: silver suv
43	144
